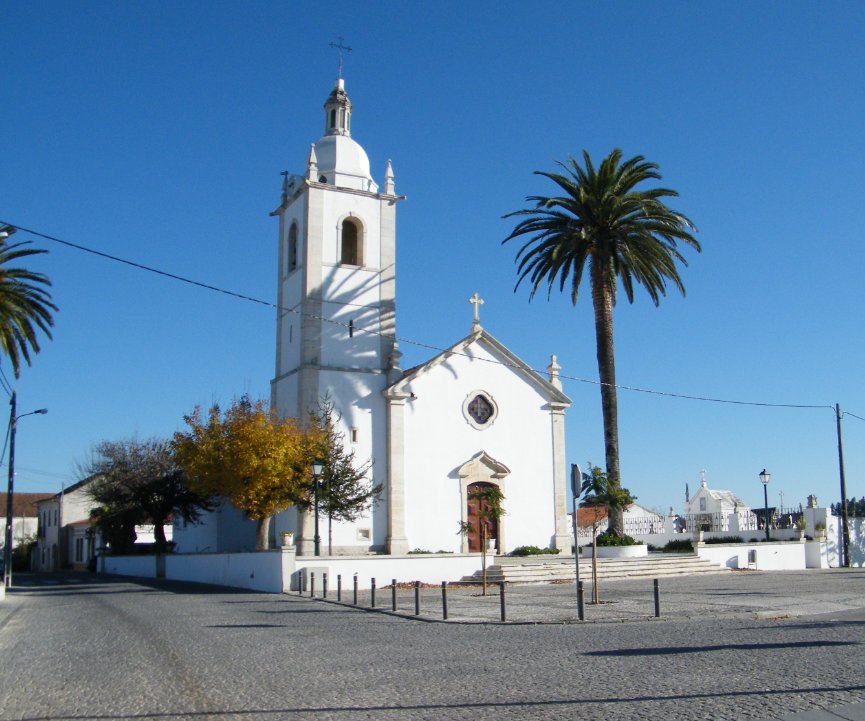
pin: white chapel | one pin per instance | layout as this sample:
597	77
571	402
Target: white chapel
473	414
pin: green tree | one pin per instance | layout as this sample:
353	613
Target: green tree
603	226
249	455
598	493
345	489
136	482
25	303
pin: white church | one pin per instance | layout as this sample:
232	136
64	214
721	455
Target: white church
474	414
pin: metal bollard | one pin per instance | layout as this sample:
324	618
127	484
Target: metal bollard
581	613
372	593
393	595
339	587
312	585
444	600
657	599
324	585
417	598
355	589
502	601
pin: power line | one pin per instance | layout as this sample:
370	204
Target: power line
4	382
407	341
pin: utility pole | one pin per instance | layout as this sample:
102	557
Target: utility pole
845	528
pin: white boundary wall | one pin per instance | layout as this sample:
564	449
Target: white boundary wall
256	571
766	556
433	568
139	566
279	570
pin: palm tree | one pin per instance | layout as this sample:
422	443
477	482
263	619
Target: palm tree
25	304
603	224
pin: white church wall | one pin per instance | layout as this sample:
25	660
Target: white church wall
439	440
196	537
350	335
357	398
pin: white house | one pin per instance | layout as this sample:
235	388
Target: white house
25	524
63	539
473	415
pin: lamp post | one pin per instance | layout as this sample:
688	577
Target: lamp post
317	469
7	550
764	479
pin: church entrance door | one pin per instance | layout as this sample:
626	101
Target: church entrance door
474	517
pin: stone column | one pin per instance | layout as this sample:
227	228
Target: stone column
305	529
563	540
397	543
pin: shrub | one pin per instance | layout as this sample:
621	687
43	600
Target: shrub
678	546
725	539
533	551
419	550
611	539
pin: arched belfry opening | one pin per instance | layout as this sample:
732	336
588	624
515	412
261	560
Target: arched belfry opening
351	247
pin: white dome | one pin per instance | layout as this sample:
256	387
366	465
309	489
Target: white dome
344	163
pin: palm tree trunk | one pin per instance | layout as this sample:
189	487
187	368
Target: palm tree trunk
602	300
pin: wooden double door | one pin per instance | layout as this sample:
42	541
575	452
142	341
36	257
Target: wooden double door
475	516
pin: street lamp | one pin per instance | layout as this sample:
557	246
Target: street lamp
764	479
7	550
317	470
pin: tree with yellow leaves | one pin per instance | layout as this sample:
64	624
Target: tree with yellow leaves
250	456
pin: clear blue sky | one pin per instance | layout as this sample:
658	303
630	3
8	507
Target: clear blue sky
157	131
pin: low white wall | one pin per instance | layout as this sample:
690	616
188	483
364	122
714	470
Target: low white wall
257	571
138	566
636	551
769	556
405	569
817	555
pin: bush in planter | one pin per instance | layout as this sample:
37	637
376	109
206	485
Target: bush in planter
611	539
533	551
726	539
683	546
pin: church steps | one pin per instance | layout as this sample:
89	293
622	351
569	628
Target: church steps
537	570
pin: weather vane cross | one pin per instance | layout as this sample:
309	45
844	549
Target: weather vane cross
339	48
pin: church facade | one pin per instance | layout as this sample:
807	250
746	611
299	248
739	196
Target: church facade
472	417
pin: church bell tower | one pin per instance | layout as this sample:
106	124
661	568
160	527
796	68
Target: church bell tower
335	335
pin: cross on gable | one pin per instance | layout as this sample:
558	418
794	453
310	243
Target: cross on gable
477	301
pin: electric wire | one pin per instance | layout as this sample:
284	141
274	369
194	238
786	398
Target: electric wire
4	382
408	341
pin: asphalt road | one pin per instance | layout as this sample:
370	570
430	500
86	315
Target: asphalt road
81	647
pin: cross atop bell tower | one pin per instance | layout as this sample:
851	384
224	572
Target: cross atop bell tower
339	48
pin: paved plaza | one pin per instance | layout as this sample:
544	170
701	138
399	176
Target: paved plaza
726	647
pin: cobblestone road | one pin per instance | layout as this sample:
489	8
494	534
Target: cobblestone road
77	647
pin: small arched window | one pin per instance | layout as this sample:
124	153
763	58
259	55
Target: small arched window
292	248
350	244
333	119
